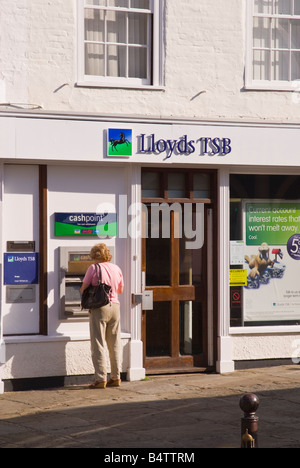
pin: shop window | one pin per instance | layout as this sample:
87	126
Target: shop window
117	46
264	250
273	60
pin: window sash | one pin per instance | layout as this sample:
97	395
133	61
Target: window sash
273	40
120	56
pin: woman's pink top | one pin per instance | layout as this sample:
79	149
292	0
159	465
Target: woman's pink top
111	275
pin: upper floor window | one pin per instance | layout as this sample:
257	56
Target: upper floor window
120	42
273	55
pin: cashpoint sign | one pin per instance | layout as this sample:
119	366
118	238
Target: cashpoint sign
21	268
85	224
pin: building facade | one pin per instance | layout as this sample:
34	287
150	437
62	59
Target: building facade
169	130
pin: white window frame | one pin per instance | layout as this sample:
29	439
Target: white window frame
250	83
157	56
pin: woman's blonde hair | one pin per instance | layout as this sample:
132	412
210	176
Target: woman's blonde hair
100	253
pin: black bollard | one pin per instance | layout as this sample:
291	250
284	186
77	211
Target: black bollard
249	403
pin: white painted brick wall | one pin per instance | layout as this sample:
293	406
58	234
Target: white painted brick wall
204	51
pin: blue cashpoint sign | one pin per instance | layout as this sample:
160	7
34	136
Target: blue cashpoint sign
21	268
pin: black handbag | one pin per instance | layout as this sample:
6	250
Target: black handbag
98	296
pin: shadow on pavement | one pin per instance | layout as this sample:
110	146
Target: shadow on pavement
175	424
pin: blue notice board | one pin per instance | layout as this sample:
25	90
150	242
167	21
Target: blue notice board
21	268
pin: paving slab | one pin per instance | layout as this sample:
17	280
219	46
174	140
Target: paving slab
171	413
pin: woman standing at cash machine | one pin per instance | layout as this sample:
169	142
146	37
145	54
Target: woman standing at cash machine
105	322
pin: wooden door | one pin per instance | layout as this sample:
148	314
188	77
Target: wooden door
175	332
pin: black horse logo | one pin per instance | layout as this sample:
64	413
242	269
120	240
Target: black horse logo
121	141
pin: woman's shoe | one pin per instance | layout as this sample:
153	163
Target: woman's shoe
114	383
98	384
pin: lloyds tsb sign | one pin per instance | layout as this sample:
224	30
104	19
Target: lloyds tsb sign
203	146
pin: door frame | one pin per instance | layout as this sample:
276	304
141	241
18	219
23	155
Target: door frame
210	318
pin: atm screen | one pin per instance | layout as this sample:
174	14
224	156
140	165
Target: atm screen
79	257
78	263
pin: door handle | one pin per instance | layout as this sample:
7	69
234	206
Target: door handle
136	299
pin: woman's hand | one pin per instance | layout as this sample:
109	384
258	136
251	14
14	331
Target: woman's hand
83	287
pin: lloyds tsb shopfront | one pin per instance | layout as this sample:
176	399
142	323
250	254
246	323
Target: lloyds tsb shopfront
202	217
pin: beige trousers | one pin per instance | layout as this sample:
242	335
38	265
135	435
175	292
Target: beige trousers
105	329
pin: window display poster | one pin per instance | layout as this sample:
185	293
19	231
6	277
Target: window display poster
272	260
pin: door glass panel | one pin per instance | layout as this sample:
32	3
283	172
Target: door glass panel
176	186
191	262
158	262
190	266
158	257
151	185
190	328
201	186
158	334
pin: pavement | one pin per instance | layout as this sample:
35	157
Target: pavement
165	414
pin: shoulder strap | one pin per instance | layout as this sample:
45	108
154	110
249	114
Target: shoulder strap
99	272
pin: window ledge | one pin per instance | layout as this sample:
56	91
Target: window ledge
288	329
273	86
92	84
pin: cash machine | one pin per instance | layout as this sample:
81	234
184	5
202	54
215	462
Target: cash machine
74	262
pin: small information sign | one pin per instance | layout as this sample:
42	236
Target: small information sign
21	268
238	278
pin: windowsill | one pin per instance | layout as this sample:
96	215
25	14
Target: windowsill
288	329
273	86
92	84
